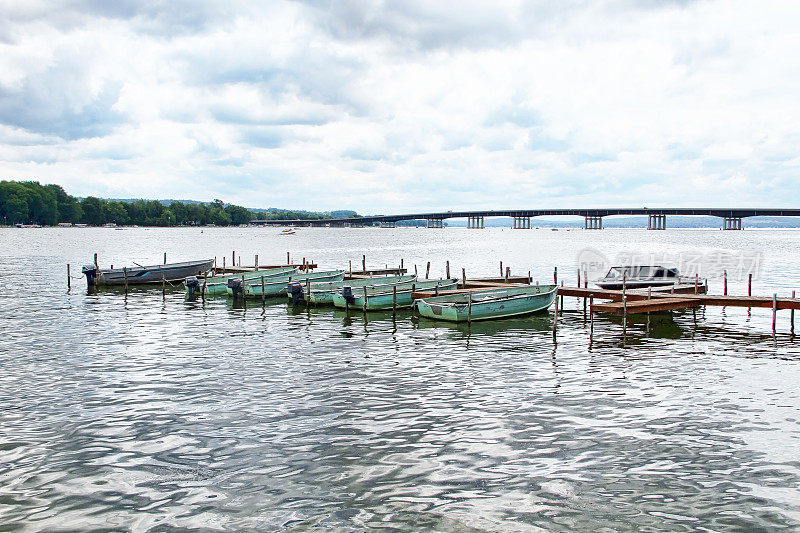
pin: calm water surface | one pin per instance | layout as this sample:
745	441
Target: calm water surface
152	412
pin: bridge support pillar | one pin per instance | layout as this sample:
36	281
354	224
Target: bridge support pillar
522	222
475	222
732	223
435	223
593	222
656	221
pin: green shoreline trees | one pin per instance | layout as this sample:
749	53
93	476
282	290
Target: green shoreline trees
28	202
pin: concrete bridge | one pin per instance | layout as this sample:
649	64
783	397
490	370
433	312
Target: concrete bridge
593	218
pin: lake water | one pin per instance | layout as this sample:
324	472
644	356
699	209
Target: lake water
153	412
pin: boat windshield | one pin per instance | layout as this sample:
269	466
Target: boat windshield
646	271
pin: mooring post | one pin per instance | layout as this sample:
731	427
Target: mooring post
308	291
791	315
256	261
530	279
95	260
223	265
394	300
125	274
591	316
725	282
447	269
555	275
263	291
69	280
585	280
428	271
415	270
750	284
624	304
165	258
579	277
469	308
163	284
401	266
501	269
203	290
351	267
233	258
365	298
696	282
774	310
288	261
508	273
463	278
364	263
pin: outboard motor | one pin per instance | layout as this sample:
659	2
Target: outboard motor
192	285
347	293
235	285
295	289
90	271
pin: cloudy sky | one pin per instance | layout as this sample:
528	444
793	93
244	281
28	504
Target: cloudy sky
389	107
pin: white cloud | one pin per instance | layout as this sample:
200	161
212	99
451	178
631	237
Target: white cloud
393	107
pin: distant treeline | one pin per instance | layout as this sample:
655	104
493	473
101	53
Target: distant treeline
28	202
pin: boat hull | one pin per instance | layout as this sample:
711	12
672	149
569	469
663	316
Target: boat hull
216	285
383	300
146	275
253	287
323	293
616	284
489	305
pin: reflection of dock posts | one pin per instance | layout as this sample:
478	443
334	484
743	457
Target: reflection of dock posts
522	222
657	222
731	223
435	223
593	222
475	222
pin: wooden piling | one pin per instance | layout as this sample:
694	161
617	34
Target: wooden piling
95	260
469	308
508	273
288	259
365	298
579	277
791	317
415	270
749	284
725	282
501	269
163	284
530	279
463	278
165	258
364	263
447	269
555	275
233	258
591	316
125	275
351	267
774	310
256	261
69	278
394	300
401	266
263	290
428	270
308	291
203	290
562	300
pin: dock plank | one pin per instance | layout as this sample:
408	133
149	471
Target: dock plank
647	306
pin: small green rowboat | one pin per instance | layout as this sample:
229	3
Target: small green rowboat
252	288
382	297
488	305
219	284
322	292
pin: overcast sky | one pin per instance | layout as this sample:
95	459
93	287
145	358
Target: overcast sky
390	107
